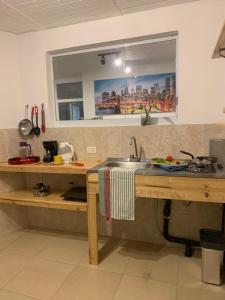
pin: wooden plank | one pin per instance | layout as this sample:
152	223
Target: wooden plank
49	168
181	194
180	182
24	197
92	229
175	188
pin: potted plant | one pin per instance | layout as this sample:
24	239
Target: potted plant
146	118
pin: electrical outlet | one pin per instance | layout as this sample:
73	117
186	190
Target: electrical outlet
91	150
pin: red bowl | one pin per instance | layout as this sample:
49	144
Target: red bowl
23	160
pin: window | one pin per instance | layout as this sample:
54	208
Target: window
69	100
121	81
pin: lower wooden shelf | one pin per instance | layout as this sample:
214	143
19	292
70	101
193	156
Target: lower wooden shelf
25	197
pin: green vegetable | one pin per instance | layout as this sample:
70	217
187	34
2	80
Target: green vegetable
161	161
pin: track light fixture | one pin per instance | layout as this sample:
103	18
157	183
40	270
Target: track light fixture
117	62
103	59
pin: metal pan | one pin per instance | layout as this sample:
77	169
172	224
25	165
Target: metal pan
210	159
25	126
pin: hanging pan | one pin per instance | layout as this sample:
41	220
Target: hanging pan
25	126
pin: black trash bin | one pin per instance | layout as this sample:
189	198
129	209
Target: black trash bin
213	246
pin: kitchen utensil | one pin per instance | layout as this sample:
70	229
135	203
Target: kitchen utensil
51	148
23	160
43	118
32	120
37	130
201	164
41	190
25	126
66	151
206	159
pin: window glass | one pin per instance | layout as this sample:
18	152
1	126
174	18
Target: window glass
69	90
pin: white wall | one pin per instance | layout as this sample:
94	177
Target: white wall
10	82
201	79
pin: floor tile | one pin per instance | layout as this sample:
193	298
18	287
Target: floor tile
161	265
187	293
85	284
28	244
189	273
5	295
162	270
66	250
6	240
10	265
39	279
133	288
115	260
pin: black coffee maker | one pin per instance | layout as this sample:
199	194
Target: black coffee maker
51	148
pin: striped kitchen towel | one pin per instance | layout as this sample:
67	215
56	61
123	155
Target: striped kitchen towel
104	192
117	193
122	193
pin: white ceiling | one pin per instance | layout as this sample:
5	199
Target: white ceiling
19	16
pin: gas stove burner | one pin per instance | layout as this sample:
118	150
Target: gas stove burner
201	164
201	169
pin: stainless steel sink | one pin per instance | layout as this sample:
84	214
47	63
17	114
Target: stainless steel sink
128	164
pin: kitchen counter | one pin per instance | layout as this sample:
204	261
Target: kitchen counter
154	183
54	200
155	171
49	168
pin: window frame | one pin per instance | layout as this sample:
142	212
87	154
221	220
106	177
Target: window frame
66	100
165	118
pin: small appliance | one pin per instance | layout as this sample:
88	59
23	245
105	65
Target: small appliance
51	148
66	151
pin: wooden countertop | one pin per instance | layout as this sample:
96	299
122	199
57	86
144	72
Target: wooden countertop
49	168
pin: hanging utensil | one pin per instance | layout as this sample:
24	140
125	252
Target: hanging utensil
32	120
37	130
43	118
25	126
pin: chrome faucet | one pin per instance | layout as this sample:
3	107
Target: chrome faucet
134	157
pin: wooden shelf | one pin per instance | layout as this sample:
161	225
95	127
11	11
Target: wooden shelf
49	168
220	43
25	197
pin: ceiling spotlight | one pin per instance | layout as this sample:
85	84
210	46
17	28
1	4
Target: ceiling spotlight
127	69
118	61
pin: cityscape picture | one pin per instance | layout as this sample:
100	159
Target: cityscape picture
131	95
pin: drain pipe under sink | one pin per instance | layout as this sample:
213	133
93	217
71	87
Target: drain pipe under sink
189	244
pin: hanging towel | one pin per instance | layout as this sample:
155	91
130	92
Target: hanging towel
117	193
122	193
104	192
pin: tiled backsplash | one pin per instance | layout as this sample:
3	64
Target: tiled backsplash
154	140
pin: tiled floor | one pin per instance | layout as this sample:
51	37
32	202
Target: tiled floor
42	265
